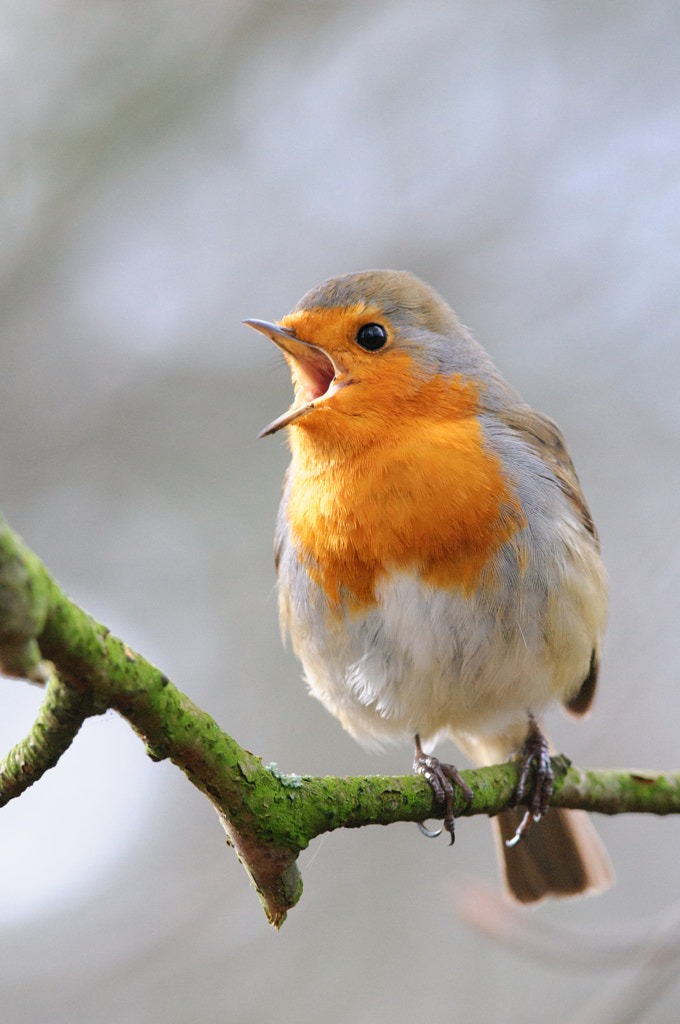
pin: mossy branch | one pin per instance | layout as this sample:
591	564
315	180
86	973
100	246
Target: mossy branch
269	817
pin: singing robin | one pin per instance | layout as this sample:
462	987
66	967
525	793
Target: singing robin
439	571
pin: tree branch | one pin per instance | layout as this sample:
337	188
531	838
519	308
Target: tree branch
60	717
269	817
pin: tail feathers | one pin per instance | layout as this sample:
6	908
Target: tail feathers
560	855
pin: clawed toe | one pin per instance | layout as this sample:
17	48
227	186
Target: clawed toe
442	778
534	752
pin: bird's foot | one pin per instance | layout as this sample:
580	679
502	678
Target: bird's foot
442	778
534	752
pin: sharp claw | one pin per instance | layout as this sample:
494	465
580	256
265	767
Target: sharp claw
521	829
427	832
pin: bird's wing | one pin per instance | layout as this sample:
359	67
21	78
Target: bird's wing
545	437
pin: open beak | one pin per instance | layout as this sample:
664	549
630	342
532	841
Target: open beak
313	370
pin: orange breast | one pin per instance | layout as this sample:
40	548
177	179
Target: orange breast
425	495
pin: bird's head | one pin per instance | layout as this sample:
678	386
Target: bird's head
373	348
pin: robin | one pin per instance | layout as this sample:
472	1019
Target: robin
439	571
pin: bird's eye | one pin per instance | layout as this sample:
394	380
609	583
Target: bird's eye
371	337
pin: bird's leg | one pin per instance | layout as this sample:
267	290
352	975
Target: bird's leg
442	778
534	751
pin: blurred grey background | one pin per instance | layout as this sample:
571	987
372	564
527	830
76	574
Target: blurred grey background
168	169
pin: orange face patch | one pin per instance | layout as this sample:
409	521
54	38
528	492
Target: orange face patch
375	391
334	328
